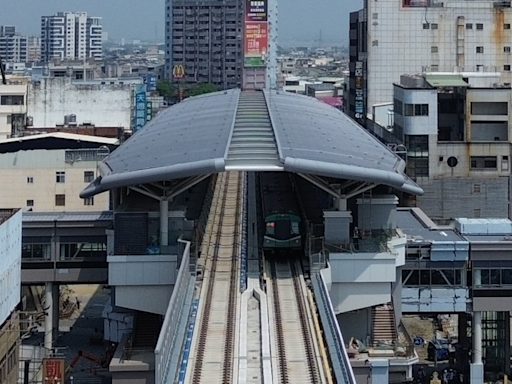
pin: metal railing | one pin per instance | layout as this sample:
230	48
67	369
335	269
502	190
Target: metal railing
334	338
165	351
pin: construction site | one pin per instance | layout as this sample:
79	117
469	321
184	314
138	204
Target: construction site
79	340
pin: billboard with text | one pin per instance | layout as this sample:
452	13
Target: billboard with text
256	33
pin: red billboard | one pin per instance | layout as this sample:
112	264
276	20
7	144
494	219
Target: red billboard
256	33
53	371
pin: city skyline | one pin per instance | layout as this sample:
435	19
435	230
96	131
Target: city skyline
303	19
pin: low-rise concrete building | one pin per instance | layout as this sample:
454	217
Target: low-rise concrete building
47	172
13	106
456	128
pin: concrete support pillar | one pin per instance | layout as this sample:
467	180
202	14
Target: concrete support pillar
48	319
477	367
341	203
380	371
55	308
164	223
337	227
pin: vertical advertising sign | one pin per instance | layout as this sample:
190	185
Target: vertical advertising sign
140	107
53	371
256	33
359	85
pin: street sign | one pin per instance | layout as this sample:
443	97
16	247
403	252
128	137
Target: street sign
53	370
178	72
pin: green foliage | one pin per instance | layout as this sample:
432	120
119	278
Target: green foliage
200	89
170	91
167	90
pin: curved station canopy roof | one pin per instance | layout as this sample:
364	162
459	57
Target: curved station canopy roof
251	131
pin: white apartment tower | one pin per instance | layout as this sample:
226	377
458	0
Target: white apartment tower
71	35
391	37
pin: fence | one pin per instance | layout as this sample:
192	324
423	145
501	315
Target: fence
335	343
168	347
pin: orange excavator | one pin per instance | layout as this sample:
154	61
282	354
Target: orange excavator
100	362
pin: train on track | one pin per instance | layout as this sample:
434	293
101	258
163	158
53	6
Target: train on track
283	224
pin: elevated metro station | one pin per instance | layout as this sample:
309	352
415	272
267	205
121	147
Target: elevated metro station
163	182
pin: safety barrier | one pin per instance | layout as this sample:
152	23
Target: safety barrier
243	248
169	346
335	344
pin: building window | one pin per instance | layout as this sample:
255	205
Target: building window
415	109
89	201
12	100
477	188
60	200
469	26
434	49
483	162
30	203
434	67
88	176
506	67
9	119
60	177
506	26
506	49
30	180
426	26
479	49
479	27
433	26
477	212
504	163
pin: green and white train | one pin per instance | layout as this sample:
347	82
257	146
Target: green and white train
283	223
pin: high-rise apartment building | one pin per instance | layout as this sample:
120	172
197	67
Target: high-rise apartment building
204	42
71	35
391	37
14	48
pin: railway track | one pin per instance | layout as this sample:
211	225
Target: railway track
294	345
216	337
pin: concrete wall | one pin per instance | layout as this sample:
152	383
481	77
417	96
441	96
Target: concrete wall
442	197
50	99
10	265
41	166
441	300
346	297
356	324
418	125
387	48
143	283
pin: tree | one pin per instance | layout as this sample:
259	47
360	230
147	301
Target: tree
167	90
200	89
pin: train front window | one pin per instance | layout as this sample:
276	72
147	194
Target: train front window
282	229
295	228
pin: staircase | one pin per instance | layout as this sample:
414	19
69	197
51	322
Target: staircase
147	329
383	324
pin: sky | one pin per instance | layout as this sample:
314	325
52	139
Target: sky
299	20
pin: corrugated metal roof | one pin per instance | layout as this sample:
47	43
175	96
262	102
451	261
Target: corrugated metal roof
62	135
67	216
452	80
251	131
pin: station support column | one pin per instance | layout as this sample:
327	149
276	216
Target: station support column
477	367
48	318
164	222
55	308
